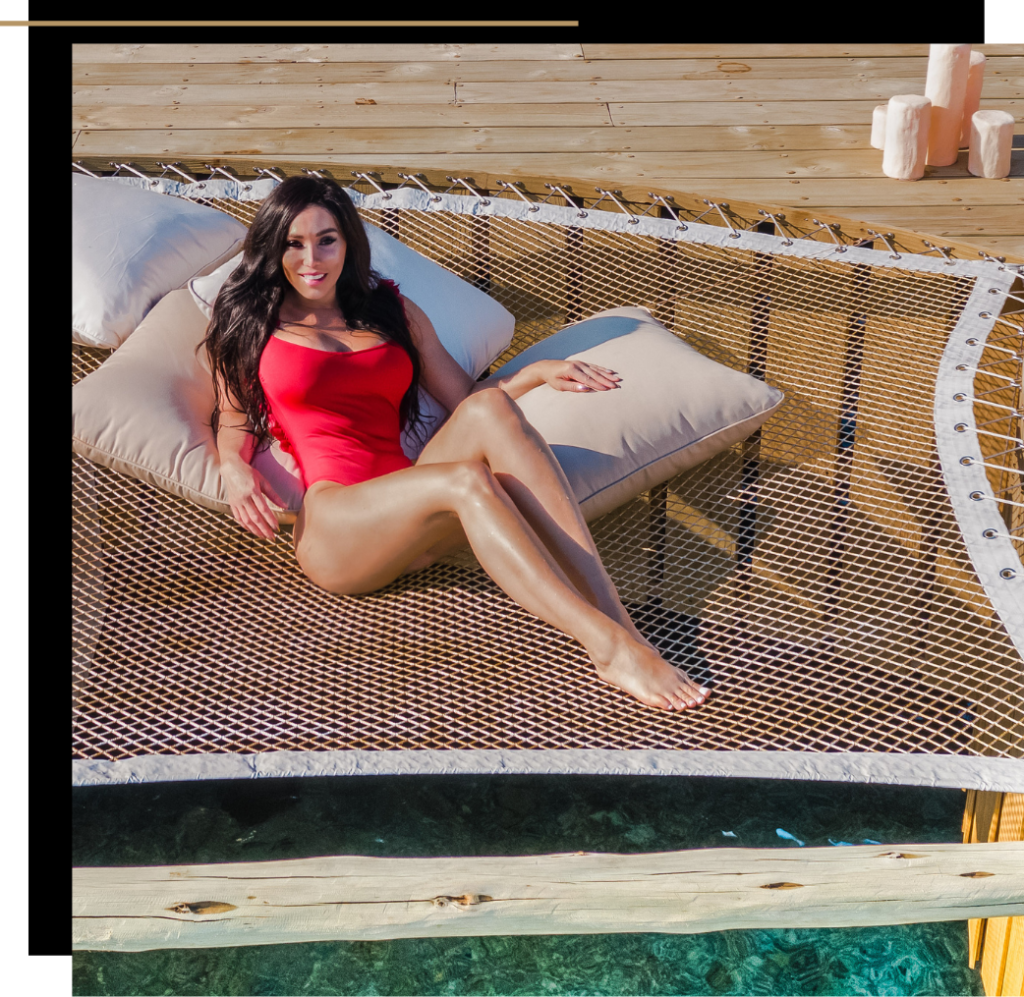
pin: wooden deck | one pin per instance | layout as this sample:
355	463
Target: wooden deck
772	125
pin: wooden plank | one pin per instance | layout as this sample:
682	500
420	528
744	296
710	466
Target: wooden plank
1011	818
557	135
1013	970
986	816
987	937
1003	946
675	109
994	952
357	897
640	166
733	50
878	89
392	123
74	138
428	92
975	926
264	74
850	164
345	115
857	194
780	112
208	74
968	221
335	52
1010	246
975	940
968	819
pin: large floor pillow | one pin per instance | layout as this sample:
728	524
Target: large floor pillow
674	407
129	247
146	412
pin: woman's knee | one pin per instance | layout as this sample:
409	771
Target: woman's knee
471	480
489	407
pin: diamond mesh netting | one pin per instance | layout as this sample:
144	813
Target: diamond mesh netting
814	575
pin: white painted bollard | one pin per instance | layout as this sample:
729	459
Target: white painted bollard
972	96
991	141
946	88
906	136
878	127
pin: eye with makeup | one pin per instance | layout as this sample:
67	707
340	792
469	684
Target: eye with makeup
294	244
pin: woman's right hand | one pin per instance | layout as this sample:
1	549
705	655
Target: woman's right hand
246	496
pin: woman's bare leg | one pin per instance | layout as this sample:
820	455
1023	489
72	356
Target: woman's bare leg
490	427
358	538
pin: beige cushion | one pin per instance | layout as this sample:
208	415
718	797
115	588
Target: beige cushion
674	409
146	413
129	247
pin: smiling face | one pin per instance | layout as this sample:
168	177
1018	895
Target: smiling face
314	256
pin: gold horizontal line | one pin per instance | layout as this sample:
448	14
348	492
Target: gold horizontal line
297	24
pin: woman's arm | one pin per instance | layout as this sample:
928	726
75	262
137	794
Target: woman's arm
234	441
439	373
242	482
450	384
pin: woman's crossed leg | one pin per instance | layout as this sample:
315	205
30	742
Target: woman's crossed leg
487	478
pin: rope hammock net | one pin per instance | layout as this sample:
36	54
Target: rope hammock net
816	575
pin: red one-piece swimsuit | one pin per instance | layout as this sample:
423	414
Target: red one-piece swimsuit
337	413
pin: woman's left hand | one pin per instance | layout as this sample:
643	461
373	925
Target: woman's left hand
575	375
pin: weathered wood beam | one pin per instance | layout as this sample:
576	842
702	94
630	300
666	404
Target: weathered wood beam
361	898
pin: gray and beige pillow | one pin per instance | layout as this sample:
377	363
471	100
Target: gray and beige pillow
674	408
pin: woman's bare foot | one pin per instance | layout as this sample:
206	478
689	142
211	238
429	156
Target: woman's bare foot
637	668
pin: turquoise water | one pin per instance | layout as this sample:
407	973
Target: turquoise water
234	821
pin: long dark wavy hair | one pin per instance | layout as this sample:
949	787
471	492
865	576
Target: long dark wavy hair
246	311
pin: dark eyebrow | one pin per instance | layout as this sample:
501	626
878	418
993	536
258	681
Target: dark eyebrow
324	232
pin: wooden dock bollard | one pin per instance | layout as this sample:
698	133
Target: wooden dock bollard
946	87
991	141
972	97
878	126
906	136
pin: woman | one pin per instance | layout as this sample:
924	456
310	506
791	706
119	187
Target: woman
307	343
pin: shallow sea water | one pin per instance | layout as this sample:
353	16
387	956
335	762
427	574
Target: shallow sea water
235	821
